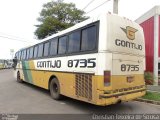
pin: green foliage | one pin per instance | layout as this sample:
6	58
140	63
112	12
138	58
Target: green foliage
152	96
56	16
149	78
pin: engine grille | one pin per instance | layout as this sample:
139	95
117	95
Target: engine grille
84	86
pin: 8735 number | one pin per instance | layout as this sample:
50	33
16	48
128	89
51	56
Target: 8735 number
82	63
128	67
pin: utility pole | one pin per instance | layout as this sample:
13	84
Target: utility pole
12	53
115	6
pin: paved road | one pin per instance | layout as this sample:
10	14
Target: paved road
24	98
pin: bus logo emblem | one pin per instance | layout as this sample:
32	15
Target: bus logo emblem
130	32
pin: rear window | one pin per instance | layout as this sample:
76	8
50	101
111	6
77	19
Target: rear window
89	38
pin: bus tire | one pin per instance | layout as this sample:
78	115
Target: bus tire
54	88
19	77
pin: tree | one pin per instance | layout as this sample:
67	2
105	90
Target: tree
56	16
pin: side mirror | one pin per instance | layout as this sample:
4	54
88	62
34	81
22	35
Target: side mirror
15	63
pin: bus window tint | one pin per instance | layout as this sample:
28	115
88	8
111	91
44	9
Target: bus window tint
16	55
24	54
35	51
40	50
62	45
53	47
19	56
46	48
27	54
31	53
88	38
74	42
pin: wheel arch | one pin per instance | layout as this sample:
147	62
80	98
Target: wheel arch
20	79
18	71
50	79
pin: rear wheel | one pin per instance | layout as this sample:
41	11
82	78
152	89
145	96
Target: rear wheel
19	77
55	89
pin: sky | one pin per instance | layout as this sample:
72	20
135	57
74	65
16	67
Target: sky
19	17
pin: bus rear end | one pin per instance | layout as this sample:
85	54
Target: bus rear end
121	61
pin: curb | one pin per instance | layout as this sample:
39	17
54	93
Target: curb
148	101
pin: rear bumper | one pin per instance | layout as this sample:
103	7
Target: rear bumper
120	97
120	94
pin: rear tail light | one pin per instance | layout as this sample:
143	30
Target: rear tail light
107	78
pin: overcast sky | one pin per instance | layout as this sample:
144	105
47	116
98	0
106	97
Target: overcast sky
18	18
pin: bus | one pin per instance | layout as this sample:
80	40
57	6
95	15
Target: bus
9	63
3	63
100	61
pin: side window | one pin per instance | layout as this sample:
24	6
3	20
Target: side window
46	49
27	54
24	54
16	55
31	53
89	38
62	45
21	55
74	42
53	47
40	50
35	51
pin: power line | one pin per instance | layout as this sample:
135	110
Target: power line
14	39
12	36
4	35
98	6
88	4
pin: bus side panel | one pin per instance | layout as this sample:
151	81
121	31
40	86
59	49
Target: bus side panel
37	76
26	72
67	83
29	74
41	78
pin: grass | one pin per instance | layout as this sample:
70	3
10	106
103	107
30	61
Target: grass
152	96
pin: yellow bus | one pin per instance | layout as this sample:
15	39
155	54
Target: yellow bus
3	63
99	61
